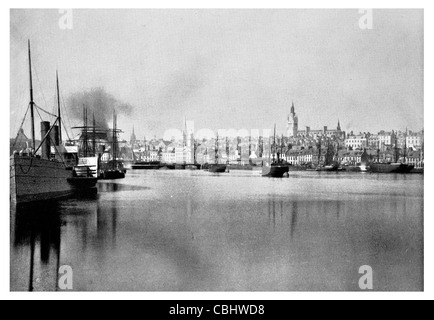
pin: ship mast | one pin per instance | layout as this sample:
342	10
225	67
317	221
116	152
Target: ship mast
94	134
58	108
114	139
32	115
405	146
227	150
273	149
216	149
184	142
85	138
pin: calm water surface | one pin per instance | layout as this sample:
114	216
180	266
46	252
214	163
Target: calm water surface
195	231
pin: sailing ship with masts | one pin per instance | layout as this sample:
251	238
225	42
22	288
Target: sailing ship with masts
395	167
217	167
89	156
275	168
36	174
113	168
330	163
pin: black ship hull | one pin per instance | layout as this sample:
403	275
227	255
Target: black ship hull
275	171
417	171
247	167
390	168
146	166
112	175
34	179
217	168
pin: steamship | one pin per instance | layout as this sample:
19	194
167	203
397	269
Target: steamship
40	176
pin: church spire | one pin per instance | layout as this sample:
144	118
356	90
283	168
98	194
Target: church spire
293	108
339	125
133	137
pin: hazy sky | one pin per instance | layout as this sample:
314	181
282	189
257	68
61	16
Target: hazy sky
228	68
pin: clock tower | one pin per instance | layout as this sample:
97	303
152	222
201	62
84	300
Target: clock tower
292	129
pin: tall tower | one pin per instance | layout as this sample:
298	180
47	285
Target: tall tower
292	130
133	138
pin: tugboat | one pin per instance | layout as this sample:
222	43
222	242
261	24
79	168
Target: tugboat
217	168
276	169
41	177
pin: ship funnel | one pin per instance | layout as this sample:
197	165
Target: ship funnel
46	145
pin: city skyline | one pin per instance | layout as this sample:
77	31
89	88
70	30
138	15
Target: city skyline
228	68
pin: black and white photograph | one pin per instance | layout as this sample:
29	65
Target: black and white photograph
216	150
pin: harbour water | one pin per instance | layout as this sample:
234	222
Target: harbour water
197	231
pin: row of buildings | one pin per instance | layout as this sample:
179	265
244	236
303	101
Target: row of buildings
298	147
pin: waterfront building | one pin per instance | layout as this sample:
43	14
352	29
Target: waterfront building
386	139
415	140
415	158
357	141
374	141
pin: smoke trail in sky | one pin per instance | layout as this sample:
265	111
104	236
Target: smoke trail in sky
98	102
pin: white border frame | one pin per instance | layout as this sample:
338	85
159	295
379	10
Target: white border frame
4	160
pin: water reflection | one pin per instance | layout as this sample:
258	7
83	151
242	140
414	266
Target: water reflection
37	229
117	187
193	232
294	216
